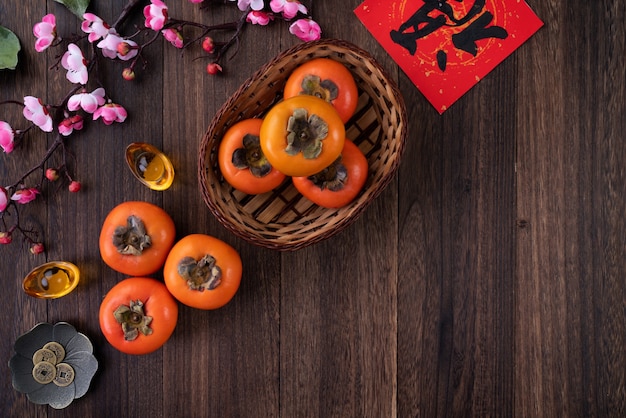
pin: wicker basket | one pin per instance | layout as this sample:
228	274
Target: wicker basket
283	219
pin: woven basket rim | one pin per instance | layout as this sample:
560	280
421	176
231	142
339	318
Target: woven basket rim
255	237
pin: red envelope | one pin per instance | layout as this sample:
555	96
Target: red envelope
447	46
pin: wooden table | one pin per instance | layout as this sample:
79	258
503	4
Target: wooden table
487	280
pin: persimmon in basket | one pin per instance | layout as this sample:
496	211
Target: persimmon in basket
302	135
327	79
242	162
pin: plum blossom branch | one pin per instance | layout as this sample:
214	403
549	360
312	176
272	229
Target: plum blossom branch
87	99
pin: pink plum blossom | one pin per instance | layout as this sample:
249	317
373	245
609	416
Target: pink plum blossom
95	27
156	14
68	125
253	4
89	102
4	199
45	31
37	113
110	112
174	37
75	64
114	46
259	18
24	196
127	50
7	137
289	8
306	29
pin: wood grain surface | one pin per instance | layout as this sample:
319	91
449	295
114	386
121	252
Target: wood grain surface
488	279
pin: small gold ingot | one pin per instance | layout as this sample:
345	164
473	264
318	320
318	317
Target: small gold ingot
51	280
150	166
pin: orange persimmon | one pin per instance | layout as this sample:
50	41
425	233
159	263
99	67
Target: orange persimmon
242	161
327	79
136	238
302	135
202	271
338	184
138	315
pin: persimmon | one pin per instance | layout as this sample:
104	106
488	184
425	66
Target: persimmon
338	184
138	315
327	79
136	237
242	162
202	271
302	135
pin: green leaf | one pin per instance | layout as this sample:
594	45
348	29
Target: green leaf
9	47
78	7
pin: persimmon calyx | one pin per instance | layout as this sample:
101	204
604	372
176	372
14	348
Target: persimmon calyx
324	89
131	239
200	275
333	177
133	320
251	156
305	134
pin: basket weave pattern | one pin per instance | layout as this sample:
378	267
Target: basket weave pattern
283	219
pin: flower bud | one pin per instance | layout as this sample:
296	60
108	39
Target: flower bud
128	74
5	237
37	248
208	45
213	68
74	186
123	48
52	174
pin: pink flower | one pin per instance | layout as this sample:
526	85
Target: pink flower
23	196
7	136
290	8
68	125
259	18
89	102
114	46
306	29
110	113
74	62
37	113
127	50
174	37
253	4
94	26
196	1
4	199
156	14
45	31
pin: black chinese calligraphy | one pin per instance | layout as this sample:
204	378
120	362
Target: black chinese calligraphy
434	15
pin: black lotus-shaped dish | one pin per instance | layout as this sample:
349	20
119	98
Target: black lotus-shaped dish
78	354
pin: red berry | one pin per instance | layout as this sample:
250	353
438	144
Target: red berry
52	174
213	68
74	186
37	248
208	45
5	237
128	74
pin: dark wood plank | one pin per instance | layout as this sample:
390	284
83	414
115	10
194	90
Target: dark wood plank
569	294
